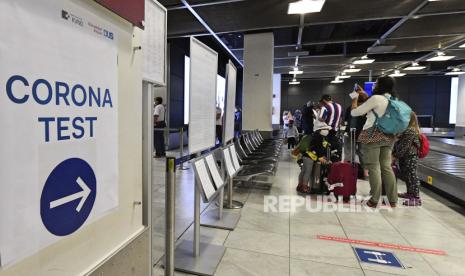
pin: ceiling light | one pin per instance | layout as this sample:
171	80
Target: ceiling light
337	80
352	69
305	6
364	60
397	73
462	46
455	72
414	67
440	56
294	81
343	76
296	71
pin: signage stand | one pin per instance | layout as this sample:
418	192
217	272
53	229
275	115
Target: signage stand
230	203
194	256
217	217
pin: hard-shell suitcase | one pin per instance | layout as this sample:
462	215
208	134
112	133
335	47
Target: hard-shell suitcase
319	175
342	177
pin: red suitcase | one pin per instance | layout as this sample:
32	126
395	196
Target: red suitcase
343	175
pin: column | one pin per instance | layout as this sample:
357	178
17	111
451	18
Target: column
460	125
258	82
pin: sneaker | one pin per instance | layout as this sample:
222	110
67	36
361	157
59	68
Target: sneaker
303	189
412	202
391	204
403	195
370	204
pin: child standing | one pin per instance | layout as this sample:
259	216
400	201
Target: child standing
313	149
292	135
406	152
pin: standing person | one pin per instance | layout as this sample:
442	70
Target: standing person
331	113
298	119
159	125
406	152
219	125
237	121
285	121
292	135
377	146
307	118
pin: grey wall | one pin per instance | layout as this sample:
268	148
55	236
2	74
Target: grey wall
426	95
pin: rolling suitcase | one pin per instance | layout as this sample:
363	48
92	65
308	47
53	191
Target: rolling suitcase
319	175
342	177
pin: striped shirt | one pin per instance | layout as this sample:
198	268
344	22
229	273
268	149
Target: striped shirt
331	115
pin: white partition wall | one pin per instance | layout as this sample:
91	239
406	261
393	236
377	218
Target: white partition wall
231	80
258	81
106	229
202	96
154	43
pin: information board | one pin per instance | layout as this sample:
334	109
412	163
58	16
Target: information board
235	160
202	98
154	43
59	122
215	173
204	180
230	169
231	80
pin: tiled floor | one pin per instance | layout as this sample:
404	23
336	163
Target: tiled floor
286	243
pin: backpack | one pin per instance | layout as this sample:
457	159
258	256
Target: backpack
424	146
396	118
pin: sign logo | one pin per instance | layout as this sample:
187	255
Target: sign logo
68	197
64	15
74	18
377	257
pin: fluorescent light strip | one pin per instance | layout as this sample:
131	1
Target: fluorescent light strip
397	73
305	6
364	61
440	58
294	82
414	68
352	70
455	72
296	72
200	19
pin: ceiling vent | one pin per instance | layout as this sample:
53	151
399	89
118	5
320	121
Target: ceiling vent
298	54
379	49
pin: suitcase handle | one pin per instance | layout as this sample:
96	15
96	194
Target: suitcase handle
352	145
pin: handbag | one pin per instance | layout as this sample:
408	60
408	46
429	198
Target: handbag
374	135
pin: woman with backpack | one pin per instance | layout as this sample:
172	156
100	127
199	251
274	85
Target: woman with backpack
406	151
376	145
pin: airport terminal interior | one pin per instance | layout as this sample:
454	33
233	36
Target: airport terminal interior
232	137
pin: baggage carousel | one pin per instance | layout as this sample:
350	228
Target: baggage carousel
444	167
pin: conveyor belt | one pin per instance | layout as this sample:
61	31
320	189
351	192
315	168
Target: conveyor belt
445	172
448	146
453	165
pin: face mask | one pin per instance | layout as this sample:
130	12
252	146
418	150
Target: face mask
324	132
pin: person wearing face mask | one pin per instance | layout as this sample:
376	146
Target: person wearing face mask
377	146
313	150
